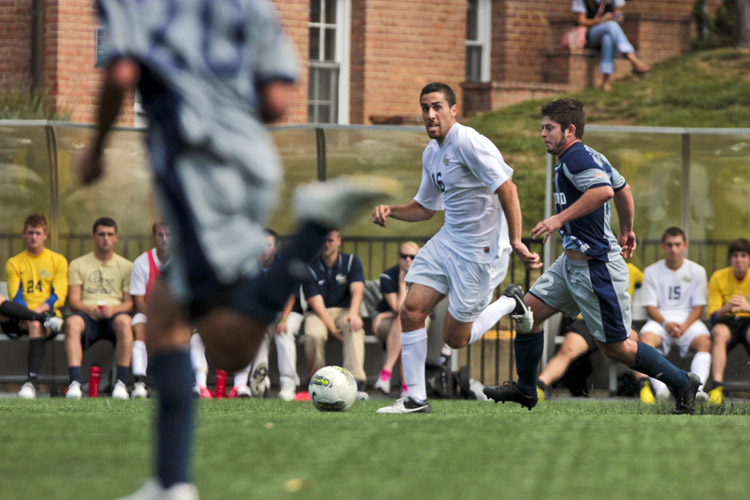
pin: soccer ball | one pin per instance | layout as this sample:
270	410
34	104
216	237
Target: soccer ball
332	388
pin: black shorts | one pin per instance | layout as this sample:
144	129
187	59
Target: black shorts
579	326
96	330
12	329
738	325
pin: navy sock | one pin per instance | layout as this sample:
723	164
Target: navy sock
174	426
529	350
649	361
35	358
74	372
122	373
18	311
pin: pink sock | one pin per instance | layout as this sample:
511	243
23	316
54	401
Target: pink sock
405	388
385	375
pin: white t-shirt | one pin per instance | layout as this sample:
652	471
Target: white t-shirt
674	291
461	176
580	6
140	272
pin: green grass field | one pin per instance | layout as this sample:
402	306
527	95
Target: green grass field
563	449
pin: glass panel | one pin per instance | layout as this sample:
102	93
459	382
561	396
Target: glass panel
324	85
315	11
314	43
331	11
472	25
473	63
330	44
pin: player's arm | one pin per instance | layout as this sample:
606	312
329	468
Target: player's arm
76	304
695	314
625	213
508	195
590	200
716	308
125	306
410	212
318	306
121	76
392	300
276	98
140	303
59	292
13	278
281	326
357	292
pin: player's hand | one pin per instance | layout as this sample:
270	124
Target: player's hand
90	167
354	322
281	328
626	240
545	228
380	214
337	335
530	259
739	303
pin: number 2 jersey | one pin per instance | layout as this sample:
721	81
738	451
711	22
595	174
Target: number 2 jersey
461	177
677	291
35	279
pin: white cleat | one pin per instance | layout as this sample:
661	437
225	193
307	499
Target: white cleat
54	323
153	490
523	316
383	386
362	396
74	391
335	203
288	390
139	390
120	391
407	405
28	391
244	391
701	397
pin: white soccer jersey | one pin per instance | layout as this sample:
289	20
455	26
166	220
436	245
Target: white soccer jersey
461	176
674	292
140	273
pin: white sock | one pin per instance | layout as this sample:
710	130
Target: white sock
140	358
240	377
701	366
414	356
658	387
198	359
491	315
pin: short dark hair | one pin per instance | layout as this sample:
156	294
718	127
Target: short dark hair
566	112
739	245
162	222
673	231
271	232
104	221
35	220
446	90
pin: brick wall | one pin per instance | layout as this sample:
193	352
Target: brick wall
295	15
401	47
15	40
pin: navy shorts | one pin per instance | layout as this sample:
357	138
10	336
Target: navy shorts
97	330
739	326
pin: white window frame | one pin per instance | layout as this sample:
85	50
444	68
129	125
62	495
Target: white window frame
484	32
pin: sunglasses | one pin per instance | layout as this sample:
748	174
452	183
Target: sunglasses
407	256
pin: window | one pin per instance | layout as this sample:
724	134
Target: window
328	89
478	28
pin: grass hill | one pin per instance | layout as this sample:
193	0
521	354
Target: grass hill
700	89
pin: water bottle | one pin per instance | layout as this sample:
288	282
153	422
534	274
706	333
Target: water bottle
221	384
94	373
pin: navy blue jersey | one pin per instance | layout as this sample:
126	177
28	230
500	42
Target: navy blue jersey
582	168
388	284
333	282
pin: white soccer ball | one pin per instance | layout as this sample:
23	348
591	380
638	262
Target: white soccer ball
332	388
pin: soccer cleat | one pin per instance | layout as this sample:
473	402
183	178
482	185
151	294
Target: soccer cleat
153	490
287	392
28	391
701	397
685	398
259	382
120	391
407	405
54	323
362	396
522	315
240	391
201	391
511	391
383	385
139	390
73	391
336	202
645	394
716	396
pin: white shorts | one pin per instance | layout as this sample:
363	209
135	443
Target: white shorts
695	330
138	318
468	285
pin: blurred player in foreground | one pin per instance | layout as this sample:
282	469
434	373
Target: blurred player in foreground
210	74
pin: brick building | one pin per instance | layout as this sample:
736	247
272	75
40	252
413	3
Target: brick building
364	61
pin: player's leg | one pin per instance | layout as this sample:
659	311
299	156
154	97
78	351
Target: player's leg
120	325
651	389
573	347
721	335
286	350
35	356
75	330
387	327
12	310
316	335
200	366
353	350
240	388
700	343
139	356
259	380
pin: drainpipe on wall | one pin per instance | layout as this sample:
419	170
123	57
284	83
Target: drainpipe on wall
37	44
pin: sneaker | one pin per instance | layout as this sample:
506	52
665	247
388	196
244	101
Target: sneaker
685	398
716	396
54	323
511	391
139	390
153	490
259	382
120	391
407	405
336	202
522	315
73	391
201	391
646	394
240	391
28	391
383	385
362	396
701	397
288	390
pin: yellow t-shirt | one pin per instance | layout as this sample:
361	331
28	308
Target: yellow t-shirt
35	279
723	286
101	281
636	278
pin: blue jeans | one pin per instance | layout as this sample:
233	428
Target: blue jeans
609	36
